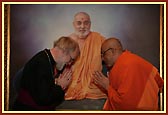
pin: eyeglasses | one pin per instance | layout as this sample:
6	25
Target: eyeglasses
103	53
71	59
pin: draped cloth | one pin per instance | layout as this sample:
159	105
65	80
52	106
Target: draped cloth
134	84
89	60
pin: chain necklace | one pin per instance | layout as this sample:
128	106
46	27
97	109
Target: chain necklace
49	62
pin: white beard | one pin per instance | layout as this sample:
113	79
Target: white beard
82	35
60	66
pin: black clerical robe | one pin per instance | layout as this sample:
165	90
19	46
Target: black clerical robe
37	86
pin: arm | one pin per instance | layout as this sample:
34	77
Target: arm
38	81
121	95
47	92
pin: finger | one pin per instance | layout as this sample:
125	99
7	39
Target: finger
97	81
66	70
93	78
60	76
68	76
97	77
96	74
99	73
67	73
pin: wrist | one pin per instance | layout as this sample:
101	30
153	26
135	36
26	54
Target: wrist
57	83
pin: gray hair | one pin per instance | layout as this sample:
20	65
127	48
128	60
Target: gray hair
66	44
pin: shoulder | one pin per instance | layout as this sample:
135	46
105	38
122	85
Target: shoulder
131	59
125	59
39	55
38	59
97	35
73	36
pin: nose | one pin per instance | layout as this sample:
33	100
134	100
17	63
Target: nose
82	25
102	57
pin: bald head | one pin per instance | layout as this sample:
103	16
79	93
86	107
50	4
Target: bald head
113	43
111	49
82	14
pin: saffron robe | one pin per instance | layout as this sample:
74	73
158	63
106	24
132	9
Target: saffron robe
134	84
88	61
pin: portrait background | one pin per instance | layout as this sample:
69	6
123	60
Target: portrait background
35	27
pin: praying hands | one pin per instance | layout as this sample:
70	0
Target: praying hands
101	80
64	79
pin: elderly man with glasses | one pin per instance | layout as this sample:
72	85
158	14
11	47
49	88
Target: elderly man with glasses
132	84
41	85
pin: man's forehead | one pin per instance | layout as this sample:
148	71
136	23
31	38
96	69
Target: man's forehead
81	17
105	45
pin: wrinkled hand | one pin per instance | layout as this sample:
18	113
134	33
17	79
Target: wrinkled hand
100	79
64	79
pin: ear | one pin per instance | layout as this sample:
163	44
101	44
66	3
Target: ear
73	24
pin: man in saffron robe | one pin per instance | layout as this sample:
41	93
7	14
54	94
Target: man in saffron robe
132	84
81	87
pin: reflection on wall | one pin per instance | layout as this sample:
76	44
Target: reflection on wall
35	27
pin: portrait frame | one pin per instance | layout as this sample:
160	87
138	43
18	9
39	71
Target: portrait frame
6	54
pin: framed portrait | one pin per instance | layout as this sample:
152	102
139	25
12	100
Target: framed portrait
28	27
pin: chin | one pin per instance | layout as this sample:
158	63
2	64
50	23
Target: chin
60	66
109	67
82	35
